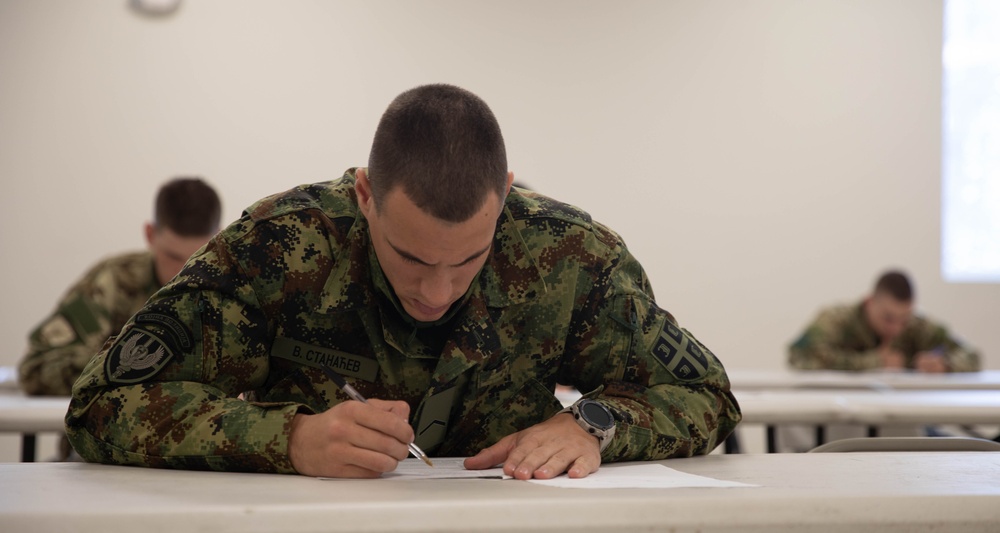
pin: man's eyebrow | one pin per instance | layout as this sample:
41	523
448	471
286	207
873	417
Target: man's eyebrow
406	255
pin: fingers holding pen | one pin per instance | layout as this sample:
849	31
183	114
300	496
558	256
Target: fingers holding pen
351	439
396	425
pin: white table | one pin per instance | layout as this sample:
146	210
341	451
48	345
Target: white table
756	380
884	492
870	407
29	415
922	407
750	379
866	407
8	378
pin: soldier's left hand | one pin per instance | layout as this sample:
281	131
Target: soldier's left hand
930	362
543	451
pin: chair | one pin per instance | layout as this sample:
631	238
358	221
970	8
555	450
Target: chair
909	444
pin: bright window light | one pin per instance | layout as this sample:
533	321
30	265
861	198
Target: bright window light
970	193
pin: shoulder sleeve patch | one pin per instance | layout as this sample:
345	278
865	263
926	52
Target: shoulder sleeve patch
679	354
135	357
57	332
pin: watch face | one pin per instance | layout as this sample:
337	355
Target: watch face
597	415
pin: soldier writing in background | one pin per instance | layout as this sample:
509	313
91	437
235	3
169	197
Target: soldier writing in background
186	215
449	299
880	332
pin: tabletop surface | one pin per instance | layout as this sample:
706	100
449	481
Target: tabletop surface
756	379
870	407
30	414
944	491
8	378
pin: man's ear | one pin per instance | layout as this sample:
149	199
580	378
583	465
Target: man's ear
510	181
150	232
363	190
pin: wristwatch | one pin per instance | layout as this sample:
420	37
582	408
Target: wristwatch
595	418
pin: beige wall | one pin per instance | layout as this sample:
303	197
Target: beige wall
761	158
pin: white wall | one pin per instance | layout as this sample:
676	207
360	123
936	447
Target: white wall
761	158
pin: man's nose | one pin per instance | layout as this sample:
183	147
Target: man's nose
435	290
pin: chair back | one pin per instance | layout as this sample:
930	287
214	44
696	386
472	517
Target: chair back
909	444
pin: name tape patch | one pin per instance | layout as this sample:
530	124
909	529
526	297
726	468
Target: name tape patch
318	357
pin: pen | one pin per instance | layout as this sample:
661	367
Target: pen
355	395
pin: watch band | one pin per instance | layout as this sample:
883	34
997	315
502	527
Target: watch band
604	433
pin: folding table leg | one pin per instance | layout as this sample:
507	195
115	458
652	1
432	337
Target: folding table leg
28	448
732	444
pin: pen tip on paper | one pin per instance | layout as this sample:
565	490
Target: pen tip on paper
428	461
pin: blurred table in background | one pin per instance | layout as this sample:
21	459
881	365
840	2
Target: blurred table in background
28	415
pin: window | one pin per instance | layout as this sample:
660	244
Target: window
970	194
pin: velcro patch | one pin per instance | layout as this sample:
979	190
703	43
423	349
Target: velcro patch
82	315
434	415
318	357
137	356
679	354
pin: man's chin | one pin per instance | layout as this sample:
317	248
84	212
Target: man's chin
422	315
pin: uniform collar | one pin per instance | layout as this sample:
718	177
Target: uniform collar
347	286
510	275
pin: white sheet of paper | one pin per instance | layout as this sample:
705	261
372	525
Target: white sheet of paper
444	468
611	476
639	476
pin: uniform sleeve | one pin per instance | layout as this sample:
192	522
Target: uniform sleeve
63	343
929	336
820	348
164	393
670	395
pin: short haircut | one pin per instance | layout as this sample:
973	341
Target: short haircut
895	284
443	146
188	206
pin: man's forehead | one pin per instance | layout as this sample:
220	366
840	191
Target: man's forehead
167	238
399	199
891	303
414	233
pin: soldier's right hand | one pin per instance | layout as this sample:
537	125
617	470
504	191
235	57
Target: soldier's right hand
891	357
351	439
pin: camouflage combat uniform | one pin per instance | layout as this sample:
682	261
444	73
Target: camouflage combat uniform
841	339
91	311
295	285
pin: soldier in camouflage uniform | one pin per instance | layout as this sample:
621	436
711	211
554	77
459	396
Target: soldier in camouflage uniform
187	213
451	300
880	332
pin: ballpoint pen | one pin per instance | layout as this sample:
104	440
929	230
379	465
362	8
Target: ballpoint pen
355	395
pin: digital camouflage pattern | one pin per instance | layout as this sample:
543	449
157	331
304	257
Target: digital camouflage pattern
95	308
841	339
295	284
